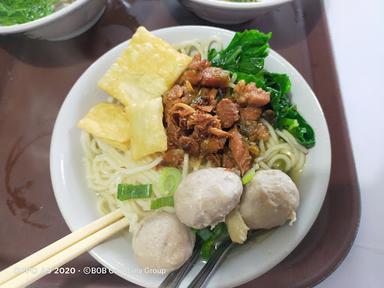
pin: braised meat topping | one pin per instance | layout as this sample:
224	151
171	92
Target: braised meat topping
239	150
215	77
250	113
249	94
173	157
209	120
228	112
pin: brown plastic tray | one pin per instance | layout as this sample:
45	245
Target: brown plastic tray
35	77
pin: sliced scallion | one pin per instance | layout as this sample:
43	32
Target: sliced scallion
248	176
131	191
169	180
162	202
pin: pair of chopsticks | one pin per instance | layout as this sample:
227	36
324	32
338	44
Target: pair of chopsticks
42	262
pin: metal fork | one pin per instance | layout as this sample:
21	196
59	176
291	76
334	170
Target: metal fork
174	279
201	279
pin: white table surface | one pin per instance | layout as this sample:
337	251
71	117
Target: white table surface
357	33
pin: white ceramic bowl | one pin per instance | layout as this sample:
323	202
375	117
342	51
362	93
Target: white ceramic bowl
224	12
63	24
78	204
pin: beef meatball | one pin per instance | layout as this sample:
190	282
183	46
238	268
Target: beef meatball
269	200
206	196
162	242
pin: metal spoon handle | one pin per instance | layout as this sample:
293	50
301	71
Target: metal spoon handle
203	276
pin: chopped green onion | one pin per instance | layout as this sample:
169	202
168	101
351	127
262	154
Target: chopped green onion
219	234
170	179
131	191
248	176
162	202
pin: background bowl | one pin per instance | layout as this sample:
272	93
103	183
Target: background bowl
77	203
63	24
224	12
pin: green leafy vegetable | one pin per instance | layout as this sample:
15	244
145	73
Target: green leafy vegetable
22	11
204	234
162	202
287	116
212	239
245	53
130	191
244	57
169	180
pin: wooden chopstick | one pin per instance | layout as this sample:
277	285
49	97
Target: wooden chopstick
60	252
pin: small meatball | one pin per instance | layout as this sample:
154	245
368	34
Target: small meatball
269	200
162	242
240	152
215	77
249	94
206	196
228	113
250	113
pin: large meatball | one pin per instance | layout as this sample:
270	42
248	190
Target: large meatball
162	242
206	196
269	200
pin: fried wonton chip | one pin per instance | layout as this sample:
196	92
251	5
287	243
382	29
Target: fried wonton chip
121	146
145	70
147	131
109	122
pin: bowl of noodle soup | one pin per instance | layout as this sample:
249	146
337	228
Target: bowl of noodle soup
230	11
84	170
69	19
